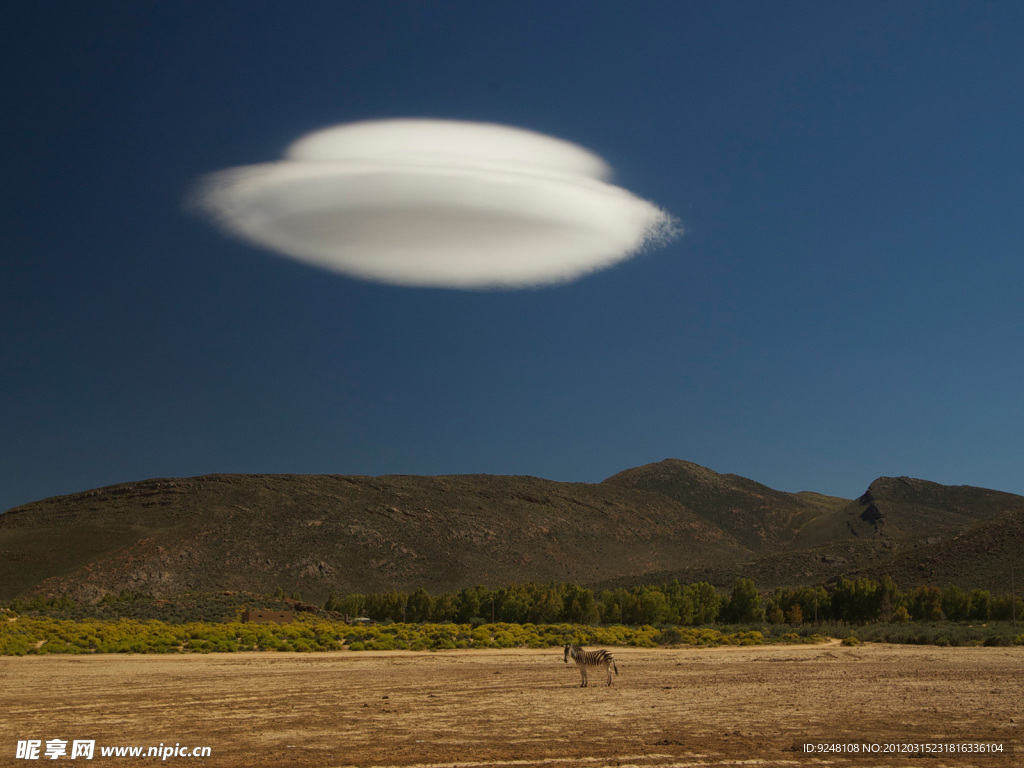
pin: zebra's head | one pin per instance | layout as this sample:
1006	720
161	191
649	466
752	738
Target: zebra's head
570	652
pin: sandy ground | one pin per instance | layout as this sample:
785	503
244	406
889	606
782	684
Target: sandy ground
668	707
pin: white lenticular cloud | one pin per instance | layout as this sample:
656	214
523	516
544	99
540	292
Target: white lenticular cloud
437	203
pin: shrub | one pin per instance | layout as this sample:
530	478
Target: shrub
749	638
670	636
996	640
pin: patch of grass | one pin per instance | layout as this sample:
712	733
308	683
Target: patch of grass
943	633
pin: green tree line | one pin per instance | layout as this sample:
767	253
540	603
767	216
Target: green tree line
859	600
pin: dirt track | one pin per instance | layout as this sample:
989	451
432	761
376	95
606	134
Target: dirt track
680	707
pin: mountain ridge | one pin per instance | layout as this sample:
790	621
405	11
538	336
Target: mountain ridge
345	533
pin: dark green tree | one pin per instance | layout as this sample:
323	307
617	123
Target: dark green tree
956	604
419	607
981	605
925	604
744	605
469	604
707	603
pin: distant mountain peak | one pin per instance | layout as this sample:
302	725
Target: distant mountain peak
665	471
910	490
757	516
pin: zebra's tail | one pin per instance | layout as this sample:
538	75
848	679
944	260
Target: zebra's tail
615	667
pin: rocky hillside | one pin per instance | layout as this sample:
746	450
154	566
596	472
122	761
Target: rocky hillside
917	531
321	533
908	510
762	519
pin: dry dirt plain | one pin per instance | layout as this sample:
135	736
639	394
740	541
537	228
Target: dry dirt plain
668	707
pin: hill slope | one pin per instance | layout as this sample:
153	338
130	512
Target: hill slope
917	531
321	533
986	555
761	518
909	510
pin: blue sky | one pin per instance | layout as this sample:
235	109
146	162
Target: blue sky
845	302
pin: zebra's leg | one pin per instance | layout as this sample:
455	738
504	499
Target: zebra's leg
583	675
608	669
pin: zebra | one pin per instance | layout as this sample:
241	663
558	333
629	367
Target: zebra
587	659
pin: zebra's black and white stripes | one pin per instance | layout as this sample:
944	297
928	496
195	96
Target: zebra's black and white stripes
586	660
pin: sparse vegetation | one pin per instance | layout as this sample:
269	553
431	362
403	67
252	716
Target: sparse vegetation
30	635
524	615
